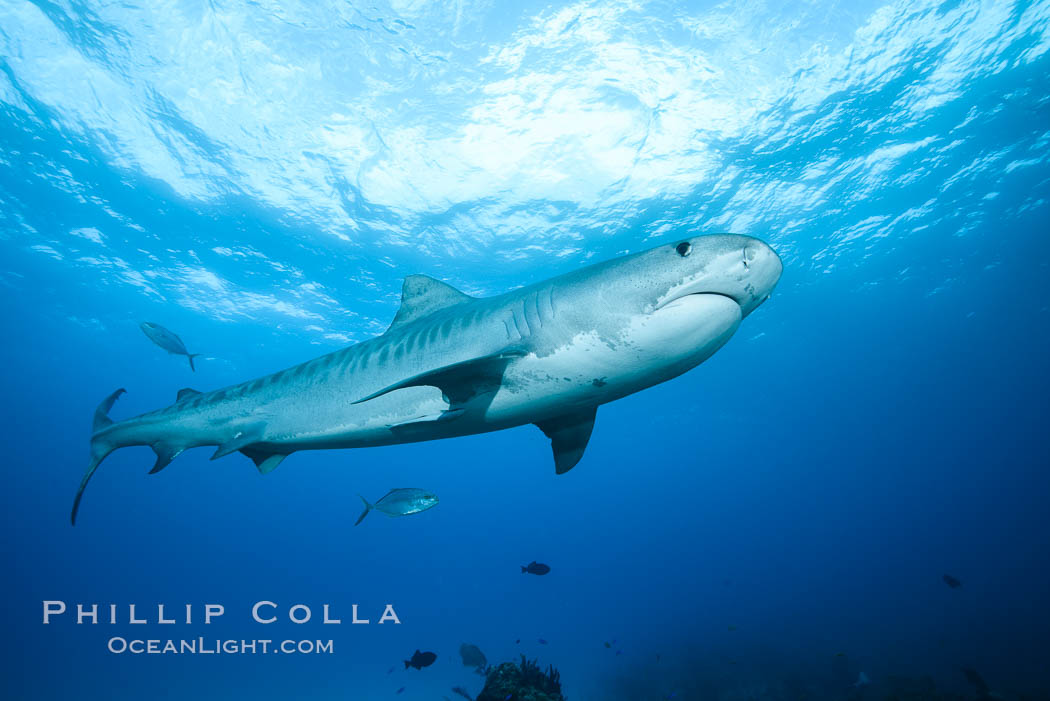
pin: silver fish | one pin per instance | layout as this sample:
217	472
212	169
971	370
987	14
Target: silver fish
401	502
167	340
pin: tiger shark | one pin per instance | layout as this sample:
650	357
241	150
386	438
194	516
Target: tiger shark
452	365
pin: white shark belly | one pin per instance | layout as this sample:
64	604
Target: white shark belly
594	369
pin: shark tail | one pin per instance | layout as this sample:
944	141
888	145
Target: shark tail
191	356
368	507
100	446
108	435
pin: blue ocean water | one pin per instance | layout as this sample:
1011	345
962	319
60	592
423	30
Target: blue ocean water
260	176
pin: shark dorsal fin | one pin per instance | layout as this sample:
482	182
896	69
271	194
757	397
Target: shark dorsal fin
185	392
422	296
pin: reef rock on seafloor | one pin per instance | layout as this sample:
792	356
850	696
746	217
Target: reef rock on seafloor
524	682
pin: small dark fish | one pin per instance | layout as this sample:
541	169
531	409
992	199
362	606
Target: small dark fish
400	502
508	697
400	690
167	340
732	627
608	644
978	682
658	657
541	641
391	670
535	568
951	581
462	692
472	656
420	660
518	641
619	652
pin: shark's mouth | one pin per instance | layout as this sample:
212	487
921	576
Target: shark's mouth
684	298
700	310
692	326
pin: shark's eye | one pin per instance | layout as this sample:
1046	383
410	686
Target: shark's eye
683	248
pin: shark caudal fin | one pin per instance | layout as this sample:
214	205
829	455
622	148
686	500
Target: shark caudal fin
191	356
368	507
100	447
108	435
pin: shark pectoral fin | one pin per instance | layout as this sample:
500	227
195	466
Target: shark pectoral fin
165	454
185	392
459	381
242	439
569	435
446	415
265	462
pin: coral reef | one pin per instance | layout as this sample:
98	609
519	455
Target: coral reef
524	682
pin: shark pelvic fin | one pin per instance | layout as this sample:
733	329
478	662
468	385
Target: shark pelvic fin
165	454
569	435
242	439
270	463
459	381
422	295
186	392
265	462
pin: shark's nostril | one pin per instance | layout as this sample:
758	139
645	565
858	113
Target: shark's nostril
749	255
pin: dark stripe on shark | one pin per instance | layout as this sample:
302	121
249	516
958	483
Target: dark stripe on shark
531	312
550	302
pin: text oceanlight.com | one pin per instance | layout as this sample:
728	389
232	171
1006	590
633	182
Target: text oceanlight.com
204	646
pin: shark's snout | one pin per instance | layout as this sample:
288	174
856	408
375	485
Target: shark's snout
742	268
762	270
